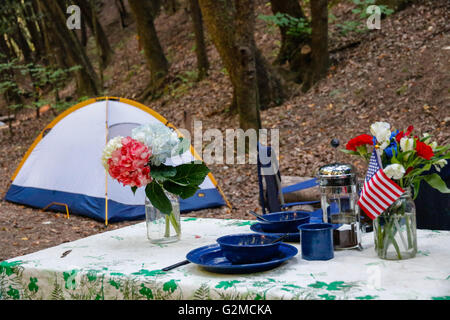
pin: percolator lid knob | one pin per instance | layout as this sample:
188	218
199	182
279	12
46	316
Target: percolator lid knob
335	143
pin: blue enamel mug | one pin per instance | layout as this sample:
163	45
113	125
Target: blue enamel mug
316	241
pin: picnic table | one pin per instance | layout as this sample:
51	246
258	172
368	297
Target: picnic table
123	264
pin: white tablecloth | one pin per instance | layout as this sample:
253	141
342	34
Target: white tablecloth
123	264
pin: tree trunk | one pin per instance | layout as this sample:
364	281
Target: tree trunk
83	31
91	19
22	43
170	6
200	48
290	43
269	83
53	47
231	28
9	13
30	19
319	43
11	96
247	91
122	12
87	78
395	5
40	25
144	13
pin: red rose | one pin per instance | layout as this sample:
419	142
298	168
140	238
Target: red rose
424	150
359	141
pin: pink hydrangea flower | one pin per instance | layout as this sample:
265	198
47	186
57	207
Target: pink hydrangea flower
129	164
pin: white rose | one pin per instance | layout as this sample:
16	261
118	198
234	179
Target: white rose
440	164
394	171
382	132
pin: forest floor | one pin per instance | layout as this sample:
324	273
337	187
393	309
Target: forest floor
399	74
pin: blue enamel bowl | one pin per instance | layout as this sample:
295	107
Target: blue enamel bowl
248	247
284	221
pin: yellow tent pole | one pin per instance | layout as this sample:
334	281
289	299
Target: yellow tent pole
106	173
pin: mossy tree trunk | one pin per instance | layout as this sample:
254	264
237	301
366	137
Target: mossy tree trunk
87	79
15	30
269	83
200	47
231	26
144	12
30	20
295	46
54	48
88	11
319	44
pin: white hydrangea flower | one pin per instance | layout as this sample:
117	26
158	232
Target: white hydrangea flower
440	164
162	141
111	146
382	132
394	171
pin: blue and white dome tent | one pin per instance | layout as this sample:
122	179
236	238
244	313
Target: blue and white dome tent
62	169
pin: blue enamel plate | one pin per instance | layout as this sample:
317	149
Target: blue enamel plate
212	259
292	237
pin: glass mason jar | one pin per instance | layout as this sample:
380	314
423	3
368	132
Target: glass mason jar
161	227
395	230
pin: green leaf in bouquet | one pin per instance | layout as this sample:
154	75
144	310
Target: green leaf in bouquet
162	172
425	138
435	181
349	152
183	191
441	151
416	186
404	156
418	171
158	198
394	157
134	189
190	174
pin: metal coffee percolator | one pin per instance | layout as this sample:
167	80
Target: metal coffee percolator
339	197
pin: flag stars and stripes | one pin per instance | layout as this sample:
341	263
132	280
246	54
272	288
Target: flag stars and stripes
378	192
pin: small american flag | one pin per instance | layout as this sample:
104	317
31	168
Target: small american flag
378	192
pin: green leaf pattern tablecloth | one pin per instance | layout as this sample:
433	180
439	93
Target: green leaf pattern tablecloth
123	264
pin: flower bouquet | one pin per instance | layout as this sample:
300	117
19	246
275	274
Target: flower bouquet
405	159
142	161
